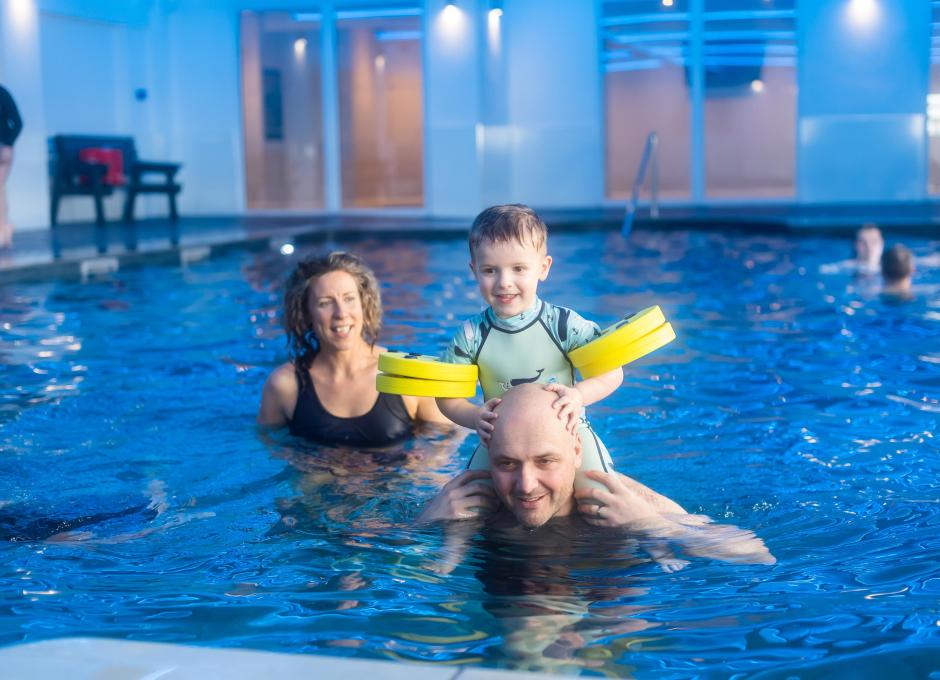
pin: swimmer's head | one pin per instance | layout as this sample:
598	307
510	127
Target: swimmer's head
897	266
508	257
506	224
533	457
300	315
869	245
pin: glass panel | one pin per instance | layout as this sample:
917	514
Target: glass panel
933	103
381	109
750	98
645	86
281	107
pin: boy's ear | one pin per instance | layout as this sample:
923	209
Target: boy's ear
546	266
473	267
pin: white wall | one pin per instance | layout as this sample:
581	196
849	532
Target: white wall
555	102
863	81
452	103
197	44
90	69
27	188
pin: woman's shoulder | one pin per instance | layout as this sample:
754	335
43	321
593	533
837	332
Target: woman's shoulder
282	378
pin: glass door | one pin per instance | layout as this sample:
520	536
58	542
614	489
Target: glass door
379	82
282	110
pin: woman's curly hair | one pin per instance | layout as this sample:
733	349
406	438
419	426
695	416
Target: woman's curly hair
302	344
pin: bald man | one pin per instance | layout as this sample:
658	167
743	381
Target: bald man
534	459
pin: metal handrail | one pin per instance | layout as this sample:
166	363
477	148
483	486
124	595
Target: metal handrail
650	159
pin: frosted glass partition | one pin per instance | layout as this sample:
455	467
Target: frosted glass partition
933	104
380	111
282	111
644	61
749	62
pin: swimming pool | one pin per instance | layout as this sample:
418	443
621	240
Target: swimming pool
797	404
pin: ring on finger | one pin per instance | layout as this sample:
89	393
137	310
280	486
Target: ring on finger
597	510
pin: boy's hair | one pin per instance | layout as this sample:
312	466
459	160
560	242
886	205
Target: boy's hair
897	263
504	223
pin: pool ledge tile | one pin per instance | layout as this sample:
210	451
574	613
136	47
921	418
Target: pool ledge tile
105	659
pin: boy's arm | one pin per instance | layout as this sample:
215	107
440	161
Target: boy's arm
460	411
594	389
461	350
479	418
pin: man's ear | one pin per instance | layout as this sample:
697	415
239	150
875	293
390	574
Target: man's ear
577	451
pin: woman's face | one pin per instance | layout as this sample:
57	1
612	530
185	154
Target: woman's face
336	310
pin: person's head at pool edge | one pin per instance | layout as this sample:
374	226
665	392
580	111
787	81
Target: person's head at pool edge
509	257
869	245
897	268
533	457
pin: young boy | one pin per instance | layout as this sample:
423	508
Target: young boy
520	338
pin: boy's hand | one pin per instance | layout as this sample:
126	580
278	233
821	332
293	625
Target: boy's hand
485	418
569	404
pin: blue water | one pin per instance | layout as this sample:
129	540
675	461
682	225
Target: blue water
801	405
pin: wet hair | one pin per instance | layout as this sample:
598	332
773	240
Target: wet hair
897	263
302	344
505	223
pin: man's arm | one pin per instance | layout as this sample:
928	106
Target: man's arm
621	506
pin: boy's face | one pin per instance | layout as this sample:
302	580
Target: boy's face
508	274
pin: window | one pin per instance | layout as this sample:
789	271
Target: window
644	60
282	112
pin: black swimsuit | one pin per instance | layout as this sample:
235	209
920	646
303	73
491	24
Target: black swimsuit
385	423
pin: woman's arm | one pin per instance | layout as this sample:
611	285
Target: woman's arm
279	397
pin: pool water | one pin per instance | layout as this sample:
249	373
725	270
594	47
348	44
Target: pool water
138	501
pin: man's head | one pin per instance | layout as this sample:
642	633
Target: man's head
508	257
869	245
897	266
533	458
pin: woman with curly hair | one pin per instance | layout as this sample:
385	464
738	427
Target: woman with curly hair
326	392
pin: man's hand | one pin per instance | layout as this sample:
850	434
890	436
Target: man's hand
486	416
569	404
618	506
466	496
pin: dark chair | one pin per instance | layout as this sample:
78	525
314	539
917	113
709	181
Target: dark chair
97	165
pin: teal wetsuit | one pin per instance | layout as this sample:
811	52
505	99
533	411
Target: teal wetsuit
530	347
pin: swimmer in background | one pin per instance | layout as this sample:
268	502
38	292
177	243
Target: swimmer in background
869	245
520	338
897	270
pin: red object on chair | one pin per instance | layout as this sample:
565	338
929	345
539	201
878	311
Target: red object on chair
113	159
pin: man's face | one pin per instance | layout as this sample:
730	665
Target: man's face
533	461
869	245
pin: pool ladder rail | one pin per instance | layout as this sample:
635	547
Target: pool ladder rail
648	162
